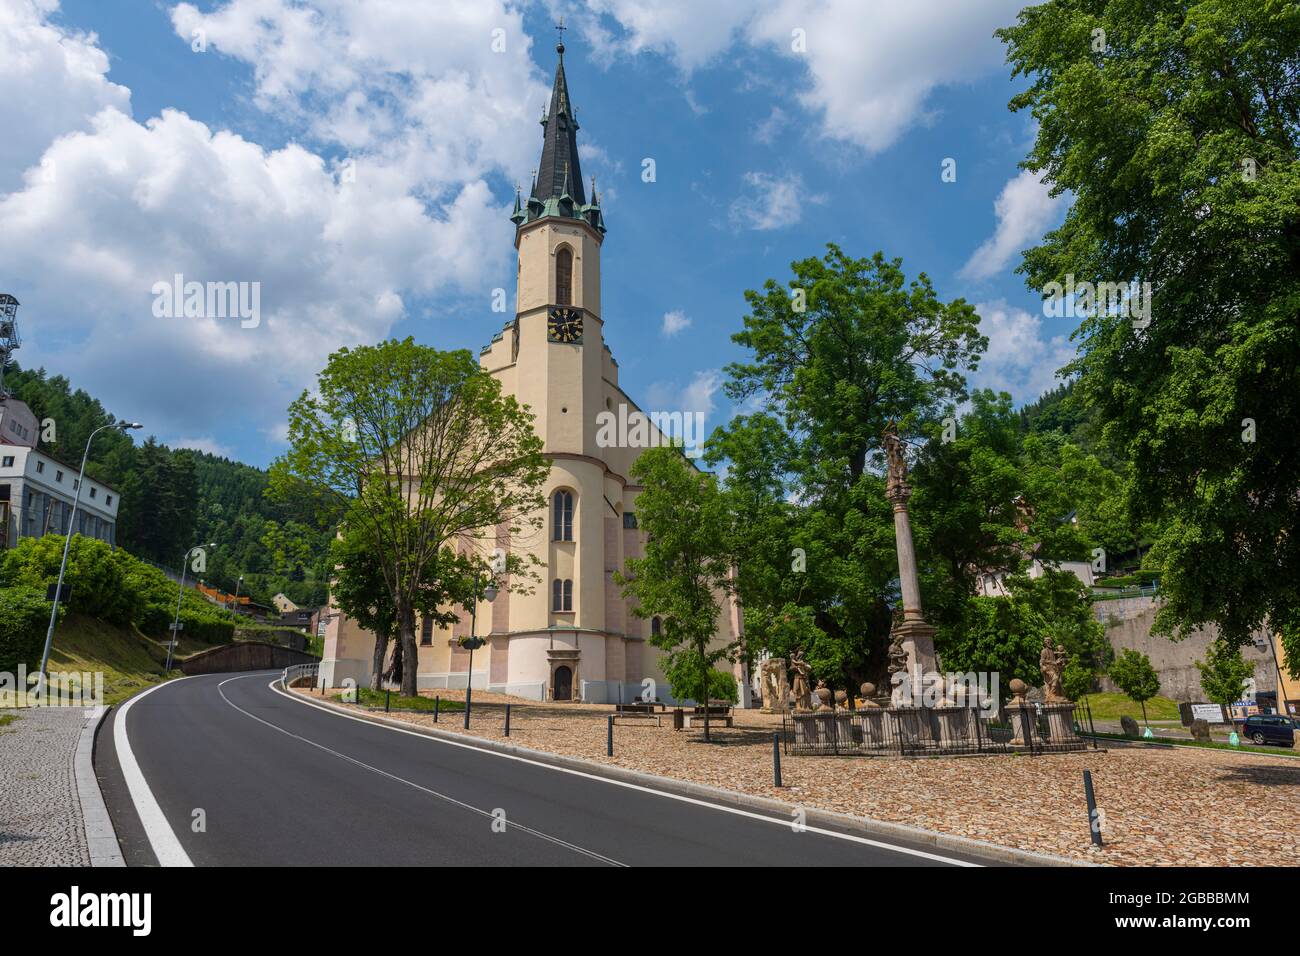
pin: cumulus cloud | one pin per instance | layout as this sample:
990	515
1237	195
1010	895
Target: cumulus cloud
54	80
674	322
696	396
413	96
1025	209
870	66
1021	358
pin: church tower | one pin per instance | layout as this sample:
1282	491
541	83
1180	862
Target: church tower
575	636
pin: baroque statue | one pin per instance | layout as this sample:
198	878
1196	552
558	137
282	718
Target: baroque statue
1051	662
776	685
801	688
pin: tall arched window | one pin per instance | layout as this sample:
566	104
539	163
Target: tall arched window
564	276
656	627
562	523
562	595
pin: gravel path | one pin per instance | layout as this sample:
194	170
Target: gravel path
40	814
1174	807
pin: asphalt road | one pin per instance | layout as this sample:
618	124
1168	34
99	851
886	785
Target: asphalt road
273	781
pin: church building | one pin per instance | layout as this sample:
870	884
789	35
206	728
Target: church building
575	637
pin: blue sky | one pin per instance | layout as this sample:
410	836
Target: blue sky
775	126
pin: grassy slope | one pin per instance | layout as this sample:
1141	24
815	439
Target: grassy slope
1115	706
129	660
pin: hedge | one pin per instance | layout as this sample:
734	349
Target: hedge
24	618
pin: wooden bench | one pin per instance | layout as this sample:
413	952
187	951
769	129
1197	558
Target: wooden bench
715	719
633	719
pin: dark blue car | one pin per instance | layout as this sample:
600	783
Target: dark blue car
1269	729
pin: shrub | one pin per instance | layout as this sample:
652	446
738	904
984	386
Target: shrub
24	617
93	574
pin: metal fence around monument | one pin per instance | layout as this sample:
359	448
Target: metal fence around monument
929	732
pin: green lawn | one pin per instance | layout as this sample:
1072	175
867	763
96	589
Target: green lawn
1115	706
7	719
375	698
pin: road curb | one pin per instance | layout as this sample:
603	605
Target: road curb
101	837
825	818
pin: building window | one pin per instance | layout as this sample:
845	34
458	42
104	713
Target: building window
58	476
8	461
93	489
40	467
564	276
426	631
656	627
562	595
562	524
629	519
108	503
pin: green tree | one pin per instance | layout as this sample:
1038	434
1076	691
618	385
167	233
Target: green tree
1175	127
1133	674
422	453
1224	673
685	567
842	349
24	616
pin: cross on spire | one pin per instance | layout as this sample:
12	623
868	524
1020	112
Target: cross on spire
560	28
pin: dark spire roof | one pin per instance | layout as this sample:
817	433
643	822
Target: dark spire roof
557	185
559	142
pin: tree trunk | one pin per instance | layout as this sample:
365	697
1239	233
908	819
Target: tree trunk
704	663
406	629
393	673
377	662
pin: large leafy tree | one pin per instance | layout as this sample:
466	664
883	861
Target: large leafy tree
839	351
421	454
685	569
1175	126
1133	674
1224	673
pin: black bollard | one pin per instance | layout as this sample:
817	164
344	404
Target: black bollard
437	706
776	760
1094	823
507	720
387	694
609	737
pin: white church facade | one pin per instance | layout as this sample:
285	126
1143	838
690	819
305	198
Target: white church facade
575	636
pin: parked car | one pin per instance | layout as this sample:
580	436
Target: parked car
1269	729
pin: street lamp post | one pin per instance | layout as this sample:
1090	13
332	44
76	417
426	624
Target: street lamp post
473	642
67	543
176	624
237	586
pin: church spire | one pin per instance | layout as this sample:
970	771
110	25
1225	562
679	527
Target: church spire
558	184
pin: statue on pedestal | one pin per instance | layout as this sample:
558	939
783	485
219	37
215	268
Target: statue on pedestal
801	688
776	686
1051	662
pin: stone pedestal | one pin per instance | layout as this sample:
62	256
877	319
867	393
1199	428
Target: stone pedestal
1022	720
953	727
1060	723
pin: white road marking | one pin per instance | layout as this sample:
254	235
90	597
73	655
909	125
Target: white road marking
433	793
162	838
721	808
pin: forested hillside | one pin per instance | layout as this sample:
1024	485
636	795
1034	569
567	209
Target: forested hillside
173	499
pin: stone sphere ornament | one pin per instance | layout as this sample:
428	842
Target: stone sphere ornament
841	697
868	689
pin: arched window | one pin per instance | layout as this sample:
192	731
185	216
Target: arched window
564	276
562	523
562	595
656	627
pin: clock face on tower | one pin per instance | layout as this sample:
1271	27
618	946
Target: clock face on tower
564	325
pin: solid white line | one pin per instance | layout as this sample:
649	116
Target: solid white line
722	808
433	793
162	838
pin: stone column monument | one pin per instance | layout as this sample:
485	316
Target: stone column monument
912	633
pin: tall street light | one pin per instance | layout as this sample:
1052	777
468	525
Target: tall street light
67	543
237	586
473	642
176	624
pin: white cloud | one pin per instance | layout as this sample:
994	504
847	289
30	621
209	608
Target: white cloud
412	93
54	80
695	396
674	322
1020	358
206	444
771	202
871	65
1025	210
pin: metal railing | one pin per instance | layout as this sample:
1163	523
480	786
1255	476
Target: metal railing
300	672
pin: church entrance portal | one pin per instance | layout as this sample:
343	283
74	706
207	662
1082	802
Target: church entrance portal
563	689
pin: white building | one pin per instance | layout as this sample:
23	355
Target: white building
36	492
